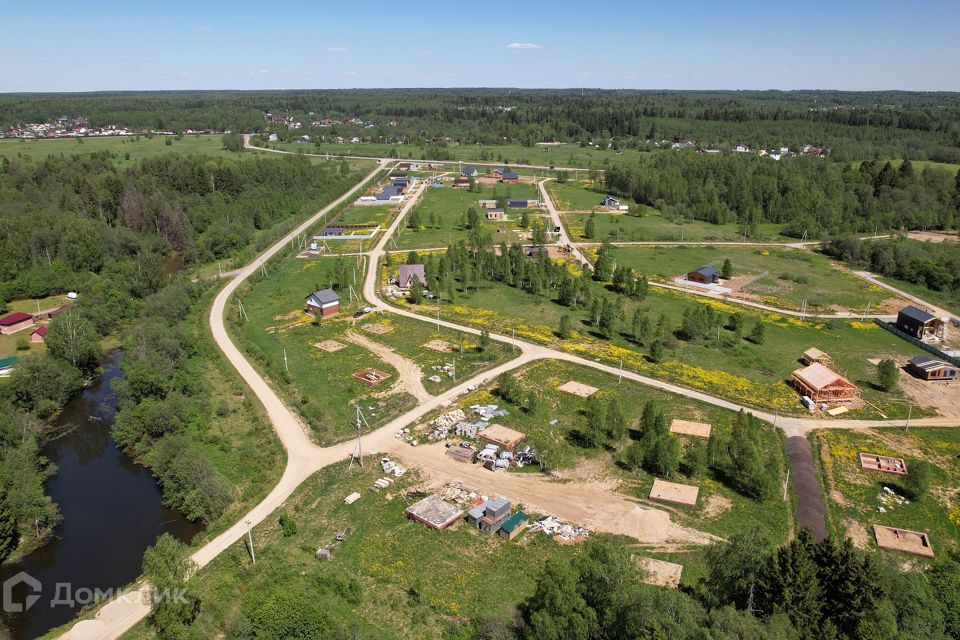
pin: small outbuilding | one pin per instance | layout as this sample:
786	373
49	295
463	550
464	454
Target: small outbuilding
919	324
929	368
487	204
326	301
514	525
813	354
38	335
15	322
502	436
461	183
821	384
610	201
521	203
434	512
496	214
704	275
410	271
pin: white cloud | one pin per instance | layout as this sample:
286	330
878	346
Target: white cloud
523	45
336	49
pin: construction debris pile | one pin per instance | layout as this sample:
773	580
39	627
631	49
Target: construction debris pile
558	530
889	499
445	368
457	421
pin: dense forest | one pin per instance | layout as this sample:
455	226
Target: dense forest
853	125
118	237
811	197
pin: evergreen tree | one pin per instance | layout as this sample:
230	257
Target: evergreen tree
758	333
726	271
790	585
656	350
590	228
9	533
566	329
416	291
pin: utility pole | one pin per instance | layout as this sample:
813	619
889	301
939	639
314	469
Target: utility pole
620	376
253	554
285	367
785	485
909	413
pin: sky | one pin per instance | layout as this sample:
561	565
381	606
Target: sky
286	44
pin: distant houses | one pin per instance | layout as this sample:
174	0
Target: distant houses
469	172
509	177
929	368
326	302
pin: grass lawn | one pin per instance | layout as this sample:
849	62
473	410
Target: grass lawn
560	156
853	492
782	277
578	196
755	375
949	300
653	227
319	384
138	148
443	211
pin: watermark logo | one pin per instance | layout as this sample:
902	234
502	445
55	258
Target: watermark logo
33	585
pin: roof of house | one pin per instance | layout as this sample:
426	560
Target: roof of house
813	354
916	314
469	171
325	296
389	191
14	318
514	521
8	362
707	271
408	270
816	376
509	175
495	210
513	202
40	331
928	363
611	198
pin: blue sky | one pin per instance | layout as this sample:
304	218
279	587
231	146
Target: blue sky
729	44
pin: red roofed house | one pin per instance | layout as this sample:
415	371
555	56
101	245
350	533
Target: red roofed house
38	334
15	322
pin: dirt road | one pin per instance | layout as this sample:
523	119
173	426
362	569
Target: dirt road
410	376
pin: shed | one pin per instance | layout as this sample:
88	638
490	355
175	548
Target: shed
610	201
14	322
514	525
487	204
919	324
502	436
461	183
517	203
813	354
823	385
496	215
705	275
38	334
929	368
434	512
326	301
410	271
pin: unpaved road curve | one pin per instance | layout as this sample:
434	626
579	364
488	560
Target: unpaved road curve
409	374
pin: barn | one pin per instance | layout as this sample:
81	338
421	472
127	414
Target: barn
15	322
821	384
929	368
326	301
704	275
919	324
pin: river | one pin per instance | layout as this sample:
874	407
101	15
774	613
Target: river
111	509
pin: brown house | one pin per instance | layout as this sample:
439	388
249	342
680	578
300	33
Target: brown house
928	368
821	384
704	275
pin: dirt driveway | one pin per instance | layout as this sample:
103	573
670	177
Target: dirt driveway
410	378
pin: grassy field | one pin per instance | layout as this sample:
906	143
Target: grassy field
755	375
443	212
853	492
130	149
949	300
781	277
578	196
541	155
320	384
402	579
653	227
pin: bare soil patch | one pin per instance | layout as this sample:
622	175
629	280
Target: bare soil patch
660	573
674	492
857	533
578	389
377	328
330	346
687	428
439	345
716	506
